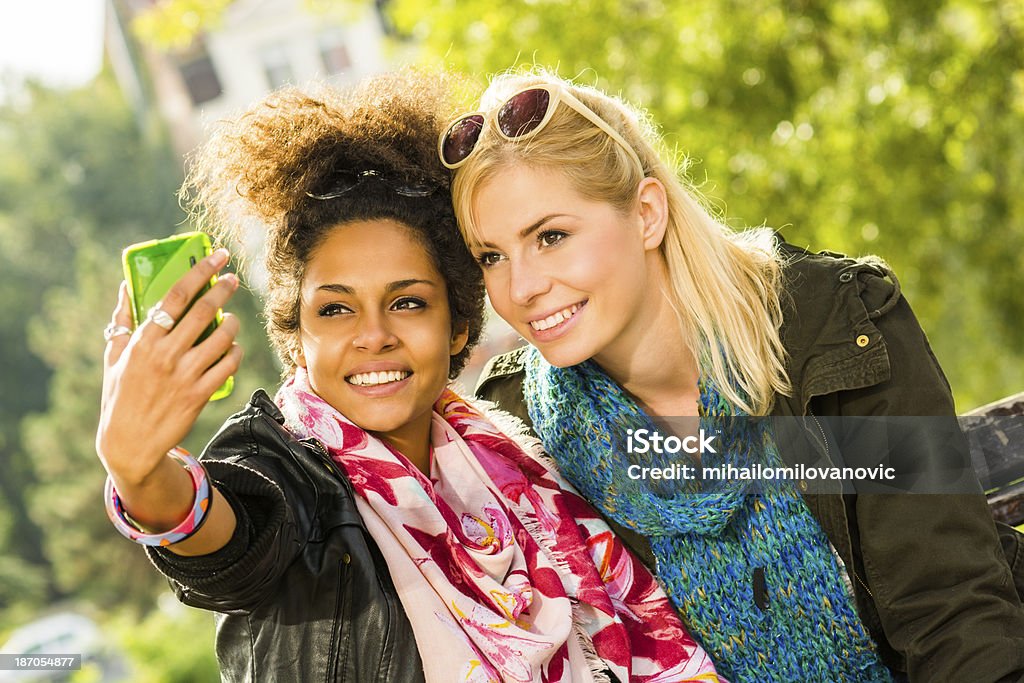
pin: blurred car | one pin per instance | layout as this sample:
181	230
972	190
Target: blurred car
63	633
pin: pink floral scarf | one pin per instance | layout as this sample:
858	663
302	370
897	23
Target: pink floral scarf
505	573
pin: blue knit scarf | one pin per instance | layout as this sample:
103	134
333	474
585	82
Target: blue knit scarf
713	540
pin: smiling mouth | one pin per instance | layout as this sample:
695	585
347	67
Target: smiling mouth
557	318
375	379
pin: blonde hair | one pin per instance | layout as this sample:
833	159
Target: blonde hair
723	284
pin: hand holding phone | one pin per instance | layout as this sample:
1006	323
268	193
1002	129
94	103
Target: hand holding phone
157	381
151	269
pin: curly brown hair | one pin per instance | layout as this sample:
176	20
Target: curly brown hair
266	165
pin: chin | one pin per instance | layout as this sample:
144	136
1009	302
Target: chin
564	355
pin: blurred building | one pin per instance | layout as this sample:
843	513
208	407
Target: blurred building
258	46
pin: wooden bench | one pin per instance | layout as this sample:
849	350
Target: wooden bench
996	435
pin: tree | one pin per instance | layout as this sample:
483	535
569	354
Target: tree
69	173
866	126
78	182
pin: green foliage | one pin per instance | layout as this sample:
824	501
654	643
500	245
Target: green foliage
861	126
173	644
175	24
78	181
20	581
73	172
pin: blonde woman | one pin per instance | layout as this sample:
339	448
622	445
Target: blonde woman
639	306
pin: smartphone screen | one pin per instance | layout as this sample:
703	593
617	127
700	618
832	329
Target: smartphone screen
151	268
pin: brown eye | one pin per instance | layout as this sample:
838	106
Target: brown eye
408	303
331	310
488	259
550	238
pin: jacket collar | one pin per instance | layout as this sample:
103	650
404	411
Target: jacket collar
827	330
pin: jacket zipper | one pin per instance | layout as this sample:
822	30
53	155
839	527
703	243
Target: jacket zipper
384	668
325	458
824	440
337	669
338	661
861	582
386	647
821	430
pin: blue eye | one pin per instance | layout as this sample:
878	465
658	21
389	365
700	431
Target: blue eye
408	303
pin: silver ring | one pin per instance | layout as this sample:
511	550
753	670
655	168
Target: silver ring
161	318
112	330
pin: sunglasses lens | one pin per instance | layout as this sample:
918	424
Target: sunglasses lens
461	138
523	112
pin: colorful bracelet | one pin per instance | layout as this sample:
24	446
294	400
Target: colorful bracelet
190	525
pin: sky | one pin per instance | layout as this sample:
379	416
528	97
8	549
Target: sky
58	41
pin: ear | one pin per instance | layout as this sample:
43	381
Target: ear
652	207
460	336
296	354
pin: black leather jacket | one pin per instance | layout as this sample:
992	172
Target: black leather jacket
301	590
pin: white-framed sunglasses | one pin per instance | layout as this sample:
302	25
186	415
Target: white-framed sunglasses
521	116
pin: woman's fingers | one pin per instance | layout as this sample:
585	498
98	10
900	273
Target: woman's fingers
119	321
181	294
202	313
216	375
199	358
152	391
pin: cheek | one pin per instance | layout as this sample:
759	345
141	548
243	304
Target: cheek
496	284
429	339
614	259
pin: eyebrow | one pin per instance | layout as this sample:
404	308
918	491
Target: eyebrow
395	286
530	229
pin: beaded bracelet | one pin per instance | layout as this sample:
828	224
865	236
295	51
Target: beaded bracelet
190	525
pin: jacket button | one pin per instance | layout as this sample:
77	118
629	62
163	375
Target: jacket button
346	558
863	340
846	277
803	485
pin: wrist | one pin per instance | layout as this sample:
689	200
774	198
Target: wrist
164	478
188	502
136	466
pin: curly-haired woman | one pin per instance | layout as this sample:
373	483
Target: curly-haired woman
367	523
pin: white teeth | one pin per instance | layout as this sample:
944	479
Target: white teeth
370	379
552	320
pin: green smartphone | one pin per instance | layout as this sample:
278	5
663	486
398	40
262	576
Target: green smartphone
151	268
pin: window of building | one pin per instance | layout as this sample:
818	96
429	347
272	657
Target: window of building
334	52
200	78
276	66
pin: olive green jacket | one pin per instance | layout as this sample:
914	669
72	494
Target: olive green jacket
931	581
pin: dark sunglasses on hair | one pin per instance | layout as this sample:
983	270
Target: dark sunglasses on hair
522	115
343	182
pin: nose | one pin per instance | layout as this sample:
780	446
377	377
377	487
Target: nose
373	333
527	281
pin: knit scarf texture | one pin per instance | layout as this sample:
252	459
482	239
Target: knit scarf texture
710	538
505	573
